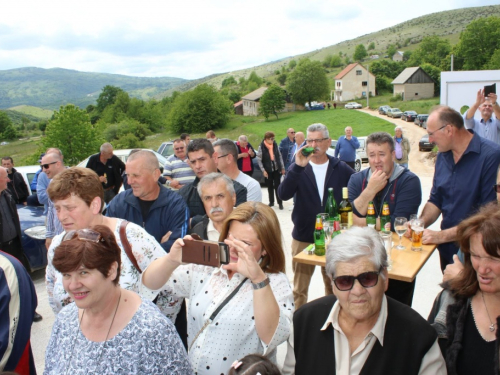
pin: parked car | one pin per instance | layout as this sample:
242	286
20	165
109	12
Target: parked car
32	222
382	110
409	116
123	155
421	120
394	112
166	149
28	172
358	162
424	144
315	106
257	173
353	105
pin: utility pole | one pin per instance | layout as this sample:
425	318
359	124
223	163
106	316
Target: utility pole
368	86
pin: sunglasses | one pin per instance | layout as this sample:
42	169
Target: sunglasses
46	166
83	235
366	279
179	148
496	188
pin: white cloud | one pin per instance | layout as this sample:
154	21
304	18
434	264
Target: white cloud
190	39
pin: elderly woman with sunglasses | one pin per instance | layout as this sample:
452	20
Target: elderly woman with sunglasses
108	330
467	313
358	330
272	166
78	198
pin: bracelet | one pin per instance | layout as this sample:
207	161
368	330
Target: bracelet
262	284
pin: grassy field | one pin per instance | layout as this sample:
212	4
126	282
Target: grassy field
33	111
255	127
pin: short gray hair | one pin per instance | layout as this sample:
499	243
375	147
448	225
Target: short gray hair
243	138
227	147
380	138
106	147
318	127
214	177
398	128
355	243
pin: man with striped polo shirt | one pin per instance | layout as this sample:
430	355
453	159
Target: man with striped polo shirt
177	170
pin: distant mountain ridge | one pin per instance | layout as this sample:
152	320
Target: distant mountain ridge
50	88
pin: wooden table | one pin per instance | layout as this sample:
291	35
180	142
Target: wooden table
405	263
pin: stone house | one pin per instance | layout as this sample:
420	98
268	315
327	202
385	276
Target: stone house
251	103
353	82
398	56
414	83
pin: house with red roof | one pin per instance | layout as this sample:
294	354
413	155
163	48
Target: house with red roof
353	82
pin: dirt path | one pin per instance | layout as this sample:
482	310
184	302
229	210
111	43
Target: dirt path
419	163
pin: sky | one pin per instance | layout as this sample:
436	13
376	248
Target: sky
158	38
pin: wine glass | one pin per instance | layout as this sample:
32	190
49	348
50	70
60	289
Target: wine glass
401	228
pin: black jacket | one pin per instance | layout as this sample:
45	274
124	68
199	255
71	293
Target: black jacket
9	201
240	161
201	228
266	158
118	168
407	338
17	187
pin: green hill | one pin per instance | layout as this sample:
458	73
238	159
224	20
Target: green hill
50	88
36	112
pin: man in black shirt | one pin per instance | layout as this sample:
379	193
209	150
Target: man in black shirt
109	168
17	186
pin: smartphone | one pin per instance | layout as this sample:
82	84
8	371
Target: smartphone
490	89
208	253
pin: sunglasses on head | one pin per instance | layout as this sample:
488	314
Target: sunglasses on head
46	166
83	235
366	279
496	188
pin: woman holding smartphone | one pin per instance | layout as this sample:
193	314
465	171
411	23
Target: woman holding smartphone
255	294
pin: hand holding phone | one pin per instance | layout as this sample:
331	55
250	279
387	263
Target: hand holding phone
208	253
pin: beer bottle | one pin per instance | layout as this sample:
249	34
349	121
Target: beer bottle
306	151
345	210
371	219
333	212
385	218
319	237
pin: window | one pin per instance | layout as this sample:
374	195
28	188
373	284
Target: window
339	84
364	83
359	72
416	94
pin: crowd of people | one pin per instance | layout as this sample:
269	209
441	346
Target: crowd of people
126	302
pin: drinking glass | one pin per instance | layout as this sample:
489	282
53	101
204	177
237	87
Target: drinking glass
417	231
412	218
401	228
328	228
387	240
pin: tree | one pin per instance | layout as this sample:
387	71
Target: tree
272	101
360	52
292	64
391	50
387	68
229	81
4	121
435	74
327	61
200	110
255	78
494	62
70	130
9	132
308	82
335	61
282	78
107	97
478	42
433	50
371	46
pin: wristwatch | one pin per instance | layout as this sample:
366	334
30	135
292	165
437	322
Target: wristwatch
168	182
262	284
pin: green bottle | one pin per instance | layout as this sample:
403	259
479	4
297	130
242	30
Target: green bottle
319	237
307	151
331	205
385	218
371	219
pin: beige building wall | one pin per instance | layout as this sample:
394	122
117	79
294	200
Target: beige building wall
250	108
414	91
351	86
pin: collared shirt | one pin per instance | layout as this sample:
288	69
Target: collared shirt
486	129
212	233
352	364
232	334
54	226
179	170
459	189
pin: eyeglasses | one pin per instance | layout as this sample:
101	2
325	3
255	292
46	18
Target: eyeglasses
46	166
83	235
496	188
222	156
292	132
316	140
366	279
432	133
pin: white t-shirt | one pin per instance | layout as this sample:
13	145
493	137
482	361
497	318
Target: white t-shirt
319	171
254	192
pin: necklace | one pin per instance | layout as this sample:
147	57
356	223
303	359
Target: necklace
105	340
492	325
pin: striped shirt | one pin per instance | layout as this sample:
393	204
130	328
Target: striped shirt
178	169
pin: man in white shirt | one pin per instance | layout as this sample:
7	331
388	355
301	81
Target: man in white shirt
227	162
359	330
216	191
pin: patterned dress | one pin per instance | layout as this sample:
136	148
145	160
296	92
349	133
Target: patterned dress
148	345
145	249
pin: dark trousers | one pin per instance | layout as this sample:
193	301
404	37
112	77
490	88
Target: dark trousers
15	249
33	200
272	183
181	324
109	195
401	291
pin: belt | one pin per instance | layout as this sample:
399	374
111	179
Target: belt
109	188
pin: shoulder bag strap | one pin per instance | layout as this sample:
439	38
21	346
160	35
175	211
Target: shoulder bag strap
217	310
126	245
